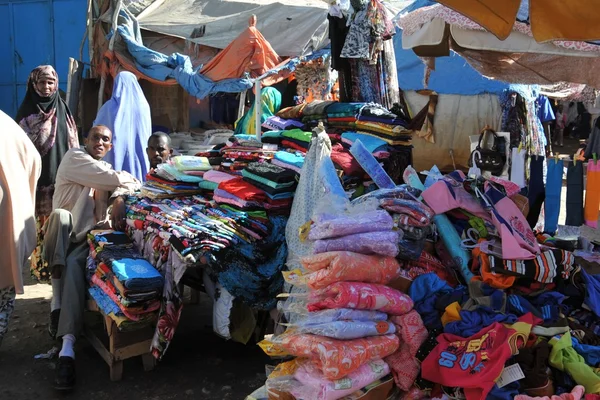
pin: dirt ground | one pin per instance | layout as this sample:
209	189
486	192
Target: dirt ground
198	365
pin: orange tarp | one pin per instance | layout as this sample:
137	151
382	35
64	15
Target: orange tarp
550	19
249	52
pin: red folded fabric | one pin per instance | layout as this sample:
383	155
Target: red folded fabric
242	189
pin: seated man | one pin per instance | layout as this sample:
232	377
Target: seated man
85	185
159	149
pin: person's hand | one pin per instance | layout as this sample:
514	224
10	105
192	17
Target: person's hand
118	214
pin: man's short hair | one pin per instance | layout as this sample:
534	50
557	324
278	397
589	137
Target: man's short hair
95	127
158	135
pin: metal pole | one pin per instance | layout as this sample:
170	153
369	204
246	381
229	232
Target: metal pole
242	104
111	45
257	109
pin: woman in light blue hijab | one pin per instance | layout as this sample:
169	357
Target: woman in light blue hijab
127	115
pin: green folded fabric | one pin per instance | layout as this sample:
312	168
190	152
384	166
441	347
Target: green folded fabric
208	185
298	134
265	181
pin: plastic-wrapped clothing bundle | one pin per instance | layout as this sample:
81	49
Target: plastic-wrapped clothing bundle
341	266
332	226
343	314
361	296
347	330
383	243
416	213
399	192
315	386
338	358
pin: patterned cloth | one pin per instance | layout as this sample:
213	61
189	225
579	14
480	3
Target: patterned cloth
7	306
39	267
412	334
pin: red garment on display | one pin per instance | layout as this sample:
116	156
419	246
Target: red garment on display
244	190
475	363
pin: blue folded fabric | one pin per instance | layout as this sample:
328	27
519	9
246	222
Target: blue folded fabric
137	274
372	143
290	158
348	109
104	302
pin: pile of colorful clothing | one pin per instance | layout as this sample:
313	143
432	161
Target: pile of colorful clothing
125	286
488	308
179	177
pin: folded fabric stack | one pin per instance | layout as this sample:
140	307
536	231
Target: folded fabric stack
179	177
272	137
211	180
343	115
376	121
315	111
357	329
292	160
242	150
244	250
277	183
195	225
126	287
296	139
280	124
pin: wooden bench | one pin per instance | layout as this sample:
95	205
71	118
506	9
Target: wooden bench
115	346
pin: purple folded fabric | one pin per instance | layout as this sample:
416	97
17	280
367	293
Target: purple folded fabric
383	243
328	226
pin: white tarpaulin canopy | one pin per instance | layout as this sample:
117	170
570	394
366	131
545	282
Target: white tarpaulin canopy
292	27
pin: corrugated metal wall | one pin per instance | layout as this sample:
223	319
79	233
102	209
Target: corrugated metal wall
35	32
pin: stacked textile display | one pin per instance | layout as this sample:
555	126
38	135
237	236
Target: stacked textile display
179	177
124	285
349	323
243	251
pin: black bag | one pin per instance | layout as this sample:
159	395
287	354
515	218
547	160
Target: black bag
494	159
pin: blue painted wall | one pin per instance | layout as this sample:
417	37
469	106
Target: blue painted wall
36	32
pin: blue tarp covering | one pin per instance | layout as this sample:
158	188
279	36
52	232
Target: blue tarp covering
452	75
179	67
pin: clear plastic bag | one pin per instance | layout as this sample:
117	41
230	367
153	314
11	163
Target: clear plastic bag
332	267
313	385
361	296
399	192
335	358
327	226
384	243
347	330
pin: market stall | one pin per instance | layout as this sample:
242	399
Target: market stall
447	283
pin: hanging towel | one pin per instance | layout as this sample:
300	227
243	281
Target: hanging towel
575	195
536	193
553	190
592	194
517	171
